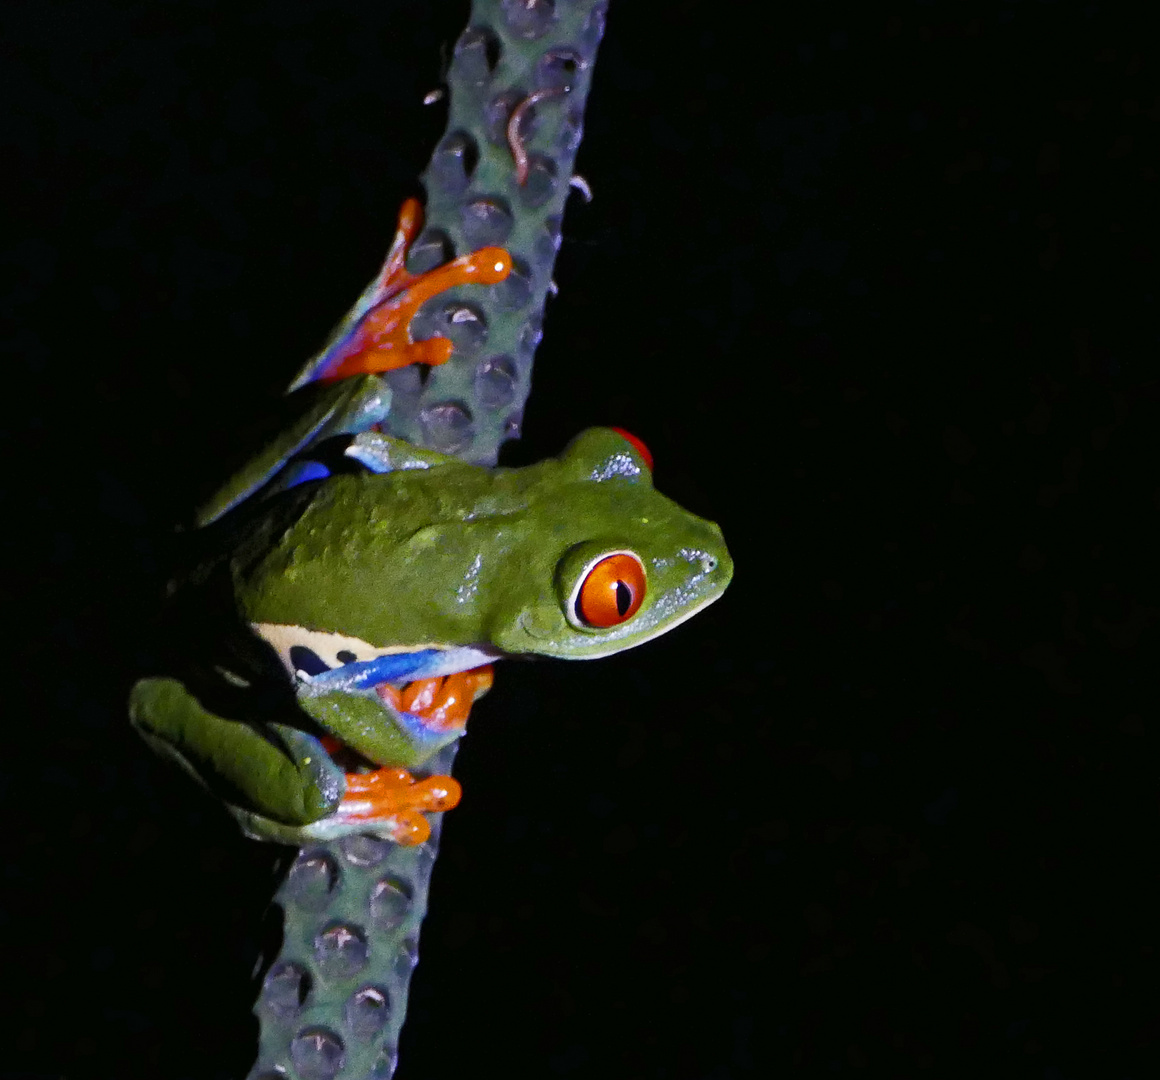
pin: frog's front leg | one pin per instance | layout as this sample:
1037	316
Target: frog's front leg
389	797
440	704
397	728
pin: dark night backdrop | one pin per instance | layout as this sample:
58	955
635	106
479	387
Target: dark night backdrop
876	283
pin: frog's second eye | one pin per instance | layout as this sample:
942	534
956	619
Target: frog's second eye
638	445
612	591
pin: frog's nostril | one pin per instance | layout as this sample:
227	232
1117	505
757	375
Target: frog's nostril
709	564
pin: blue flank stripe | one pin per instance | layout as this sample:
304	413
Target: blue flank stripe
302	472
368	673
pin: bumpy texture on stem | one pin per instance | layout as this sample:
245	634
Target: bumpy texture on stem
333	1002
518	82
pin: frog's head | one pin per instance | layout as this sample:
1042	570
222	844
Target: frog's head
611	563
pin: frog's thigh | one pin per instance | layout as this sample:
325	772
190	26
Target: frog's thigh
231	758
344	408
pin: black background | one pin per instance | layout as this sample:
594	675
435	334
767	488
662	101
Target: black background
876	284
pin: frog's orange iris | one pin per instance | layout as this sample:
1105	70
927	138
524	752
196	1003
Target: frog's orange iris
612	592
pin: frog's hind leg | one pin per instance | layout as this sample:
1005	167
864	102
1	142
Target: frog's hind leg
294	783
391	801
345	408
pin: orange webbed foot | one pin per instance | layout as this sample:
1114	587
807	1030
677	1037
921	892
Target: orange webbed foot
382	340
442	703
393	800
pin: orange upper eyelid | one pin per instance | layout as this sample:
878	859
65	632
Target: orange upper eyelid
637	443
599	599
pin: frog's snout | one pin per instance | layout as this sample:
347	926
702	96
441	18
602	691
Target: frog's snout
711	557
718	567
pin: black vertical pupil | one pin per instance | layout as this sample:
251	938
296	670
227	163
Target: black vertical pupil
623	597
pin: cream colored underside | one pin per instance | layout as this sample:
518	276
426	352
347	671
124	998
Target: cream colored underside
282	637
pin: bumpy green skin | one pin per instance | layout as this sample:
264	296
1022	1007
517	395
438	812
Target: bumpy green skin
466	555
474	402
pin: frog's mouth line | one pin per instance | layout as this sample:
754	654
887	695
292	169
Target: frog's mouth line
615	643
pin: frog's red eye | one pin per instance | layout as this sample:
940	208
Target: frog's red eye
612	591
638	445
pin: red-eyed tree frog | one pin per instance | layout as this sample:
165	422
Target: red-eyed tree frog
349	592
